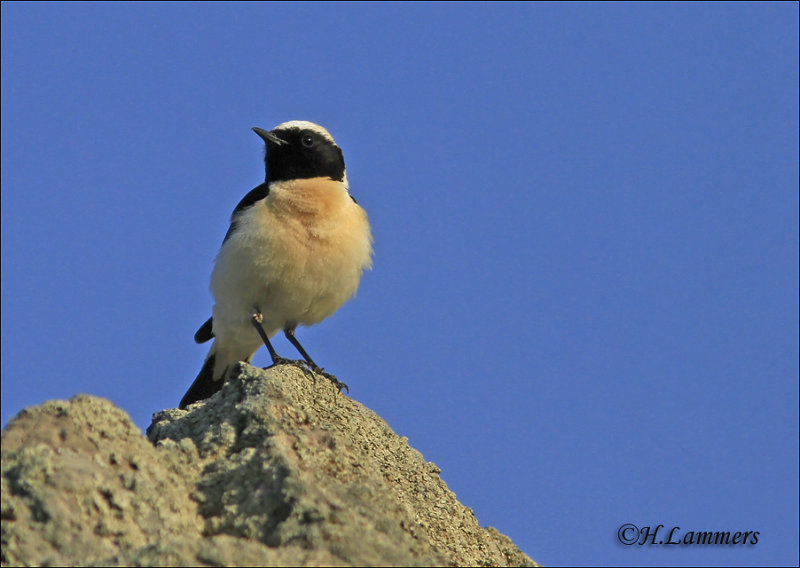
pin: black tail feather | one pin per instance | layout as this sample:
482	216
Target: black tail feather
204	385
205	333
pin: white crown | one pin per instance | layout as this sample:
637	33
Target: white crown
305	125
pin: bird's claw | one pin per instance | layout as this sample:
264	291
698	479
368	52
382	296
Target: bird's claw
332	378
311	371
302	365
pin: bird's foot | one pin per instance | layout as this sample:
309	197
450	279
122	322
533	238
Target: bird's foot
332	378
310	371
302	365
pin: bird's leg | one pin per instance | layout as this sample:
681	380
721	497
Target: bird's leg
257	320
289	333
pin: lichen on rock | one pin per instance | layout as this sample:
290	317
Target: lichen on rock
276	469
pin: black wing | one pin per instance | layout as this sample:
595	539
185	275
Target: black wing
206	333
248	200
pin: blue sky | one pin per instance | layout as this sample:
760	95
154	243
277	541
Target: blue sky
584	304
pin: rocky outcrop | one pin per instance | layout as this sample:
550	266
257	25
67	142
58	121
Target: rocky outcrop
276	469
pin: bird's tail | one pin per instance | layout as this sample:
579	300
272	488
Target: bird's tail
205	384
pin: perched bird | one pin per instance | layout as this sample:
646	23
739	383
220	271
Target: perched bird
295	251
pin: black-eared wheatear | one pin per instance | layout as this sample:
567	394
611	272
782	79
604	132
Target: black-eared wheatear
295	251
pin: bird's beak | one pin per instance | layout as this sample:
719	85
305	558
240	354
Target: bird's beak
268	137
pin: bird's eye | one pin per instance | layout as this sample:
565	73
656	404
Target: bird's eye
307	140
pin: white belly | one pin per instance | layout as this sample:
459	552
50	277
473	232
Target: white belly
295	257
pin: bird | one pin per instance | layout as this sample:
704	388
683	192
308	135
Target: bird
295	252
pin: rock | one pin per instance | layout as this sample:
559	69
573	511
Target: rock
80	484
276	469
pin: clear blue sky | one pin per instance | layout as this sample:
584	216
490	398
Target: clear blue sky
584	305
